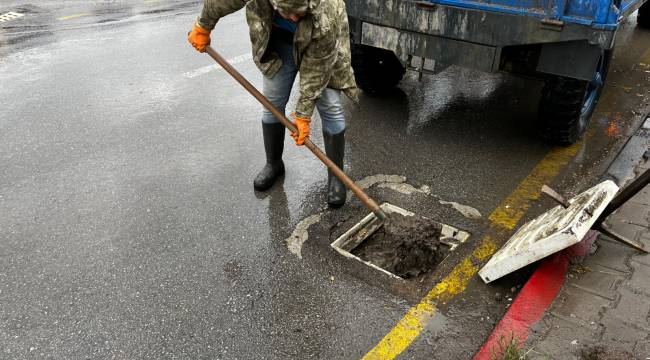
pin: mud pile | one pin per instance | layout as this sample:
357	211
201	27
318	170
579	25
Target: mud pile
407	246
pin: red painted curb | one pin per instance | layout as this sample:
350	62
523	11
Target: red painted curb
534	298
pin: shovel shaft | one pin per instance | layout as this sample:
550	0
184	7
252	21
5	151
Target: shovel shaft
625	194
361	195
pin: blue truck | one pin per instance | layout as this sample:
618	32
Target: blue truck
567	44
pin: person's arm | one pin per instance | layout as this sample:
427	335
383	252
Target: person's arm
213	10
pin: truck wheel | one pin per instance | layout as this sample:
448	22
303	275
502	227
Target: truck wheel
567	104
376	70
643	17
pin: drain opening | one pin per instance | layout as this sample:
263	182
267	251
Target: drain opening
406	248
10	16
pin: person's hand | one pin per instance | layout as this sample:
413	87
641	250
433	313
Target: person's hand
199	37
302	123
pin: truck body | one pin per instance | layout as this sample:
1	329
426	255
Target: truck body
566	43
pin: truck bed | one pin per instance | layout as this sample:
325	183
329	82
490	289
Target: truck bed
597	13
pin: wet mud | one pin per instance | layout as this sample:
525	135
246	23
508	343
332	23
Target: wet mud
601	352
407	246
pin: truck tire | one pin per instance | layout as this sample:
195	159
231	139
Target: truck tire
377	71
567	104
643	17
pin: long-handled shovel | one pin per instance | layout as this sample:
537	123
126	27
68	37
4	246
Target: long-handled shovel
365	199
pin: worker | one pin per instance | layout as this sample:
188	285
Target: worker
310	37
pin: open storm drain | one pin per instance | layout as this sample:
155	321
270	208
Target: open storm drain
407	247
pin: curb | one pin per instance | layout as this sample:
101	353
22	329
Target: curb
621	170
535	297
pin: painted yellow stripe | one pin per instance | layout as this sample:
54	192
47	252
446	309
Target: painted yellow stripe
504	217
512	209
73	16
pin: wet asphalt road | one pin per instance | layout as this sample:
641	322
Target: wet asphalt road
130	228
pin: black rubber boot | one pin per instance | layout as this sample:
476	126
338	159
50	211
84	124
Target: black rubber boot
335	149
273	146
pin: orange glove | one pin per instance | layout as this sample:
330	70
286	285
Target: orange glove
302	123
199	37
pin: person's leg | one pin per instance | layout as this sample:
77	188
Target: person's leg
277	89
333	122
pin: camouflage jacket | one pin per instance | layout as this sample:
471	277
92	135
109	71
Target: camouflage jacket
321	45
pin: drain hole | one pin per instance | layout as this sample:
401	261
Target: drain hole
408	246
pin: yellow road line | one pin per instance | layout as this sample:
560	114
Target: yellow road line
73	16
505	217
512	209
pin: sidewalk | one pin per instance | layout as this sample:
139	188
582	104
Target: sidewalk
603	310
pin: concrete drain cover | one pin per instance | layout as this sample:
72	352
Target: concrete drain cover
553	231
10	16
407	255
